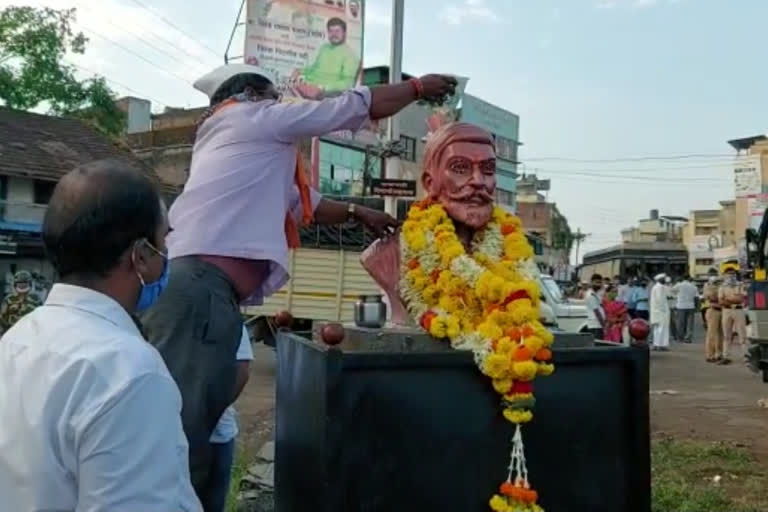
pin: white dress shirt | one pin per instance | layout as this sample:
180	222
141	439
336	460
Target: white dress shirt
89	415
686	295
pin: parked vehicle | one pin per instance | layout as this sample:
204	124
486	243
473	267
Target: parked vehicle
571	315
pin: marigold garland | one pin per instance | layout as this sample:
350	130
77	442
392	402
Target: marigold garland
486	302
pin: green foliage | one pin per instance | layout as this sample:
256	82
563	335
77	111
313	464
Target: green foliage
33	74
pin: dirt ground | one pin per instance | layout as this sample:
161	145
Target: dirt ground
690	399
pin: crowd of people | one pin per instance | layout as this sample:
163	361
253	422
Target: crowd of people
670	306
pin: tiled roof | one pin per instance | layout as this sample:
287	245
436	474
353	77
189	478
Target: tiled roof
45	147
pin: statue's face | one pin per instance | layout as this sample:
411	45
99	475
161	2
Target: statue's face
465	183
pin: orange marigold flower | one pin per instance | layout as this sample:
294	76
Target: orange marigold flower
435	275
527	331
507	489
544	355
514	333
529	496
426	319
413	264
522	353
507	229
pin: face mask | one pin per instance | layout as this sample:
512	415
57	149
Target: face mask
151	292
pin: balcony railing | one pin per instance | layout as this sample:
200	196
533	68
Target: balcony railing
21	216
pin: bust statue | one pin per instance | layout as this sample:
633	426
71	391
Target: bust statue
460	174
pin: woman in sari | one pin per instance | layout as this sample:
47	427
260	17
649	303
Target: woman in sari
616	316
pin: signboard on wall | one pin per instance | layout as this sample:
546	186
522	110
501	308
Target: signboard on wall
314	47
393	188
756	206
747	176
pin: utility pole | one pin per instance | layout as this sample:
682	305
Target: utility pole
578	238
392	166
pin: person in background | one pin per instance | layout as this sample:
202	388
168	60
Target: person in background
21	302
640	299
686	293
223	437
615	316
91	418
672	299
606	284
713	318
594	304
731	296
659	314
624	293
238	217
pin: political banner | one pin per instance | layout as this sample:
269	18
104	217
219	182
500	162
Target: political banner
314	47
747	175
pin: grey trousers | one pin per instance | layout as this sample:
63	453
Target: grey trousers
196	325
685	319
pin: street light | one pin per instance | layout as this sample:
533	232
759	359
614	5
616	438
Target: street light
392	166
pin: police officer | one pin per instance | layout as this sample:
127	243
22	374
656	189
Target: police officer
20	302
731	297
713	313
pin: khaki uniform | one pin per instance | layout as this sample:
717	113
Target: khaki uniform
714	313
731	296
16	306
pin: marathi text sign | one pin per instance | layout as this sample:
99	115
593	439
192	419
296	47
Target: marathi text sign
314	47
747	176
757	205
393	188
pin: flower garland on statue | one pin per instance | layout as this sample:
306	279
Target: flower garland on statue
486	302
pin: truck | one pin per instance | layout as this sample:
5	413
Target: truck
326	282
757	299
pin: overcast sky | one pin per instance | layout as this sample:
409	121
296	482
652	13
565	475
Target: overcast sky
590	79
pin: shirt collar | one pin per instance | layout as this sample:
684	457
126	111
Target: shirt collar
91	301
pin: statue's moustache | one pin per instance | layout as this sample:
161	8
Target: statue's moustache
479	196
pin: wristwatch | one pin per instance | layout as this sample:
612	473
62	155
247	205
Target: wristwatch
351	212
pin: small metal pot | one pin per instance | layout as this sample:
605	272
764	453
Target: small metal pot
370	312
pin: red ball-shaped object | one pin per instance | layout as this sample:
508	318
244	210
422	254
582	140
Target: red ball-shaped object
639	329
332	334
284	319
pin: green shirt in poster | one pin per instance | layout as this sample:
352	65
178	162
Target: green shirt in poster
335	68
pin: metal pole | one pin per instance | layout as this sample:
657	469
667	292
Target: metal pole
395	76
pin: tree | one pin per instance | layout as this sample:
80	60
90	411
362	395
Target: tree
33	74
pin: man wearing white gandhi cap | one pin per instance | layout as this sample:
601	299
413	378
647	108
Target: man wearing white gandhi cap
660	314
241	209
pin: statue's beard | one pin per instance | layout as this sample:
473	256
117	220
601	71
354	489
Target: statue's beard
471	214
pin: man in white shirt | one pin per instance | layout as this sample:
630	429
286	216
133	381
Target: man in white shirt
660	314
686	293
89	415
594	304
223	437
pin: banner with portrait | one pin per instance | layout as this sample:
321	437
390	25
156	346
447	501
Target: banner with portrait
314	47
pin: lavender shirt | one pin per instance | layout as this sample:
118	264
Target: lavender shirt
241	181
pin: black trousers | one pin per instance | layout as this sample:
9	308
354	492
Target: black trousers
196	325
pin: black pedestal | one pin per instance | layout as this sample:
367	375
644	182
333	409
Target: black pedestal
394	431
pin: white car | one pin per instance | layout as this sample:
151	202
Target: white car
571	315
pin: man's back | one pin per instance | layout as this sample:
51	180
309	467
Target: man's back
89	414
686	295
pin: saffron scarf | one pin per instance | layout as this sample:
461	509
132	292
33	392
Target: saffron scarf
300	178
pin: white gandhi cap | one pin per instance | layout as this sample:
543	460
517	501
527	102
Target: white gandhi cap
211	82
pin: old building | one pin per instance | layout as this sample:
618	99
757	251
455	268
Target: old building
36	151
654	245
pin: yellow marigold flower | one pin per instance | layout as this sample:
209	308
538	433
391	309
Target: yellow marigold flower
546	369
467	325
450	251
505	346
518	416
452	327
525	370
533	343
431	295
448	303
417	241
437	327
502	386
420	283
490	331
499	504
522	396
496	366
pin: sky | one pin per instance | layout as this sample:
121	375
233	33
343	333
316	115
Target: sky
625	104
